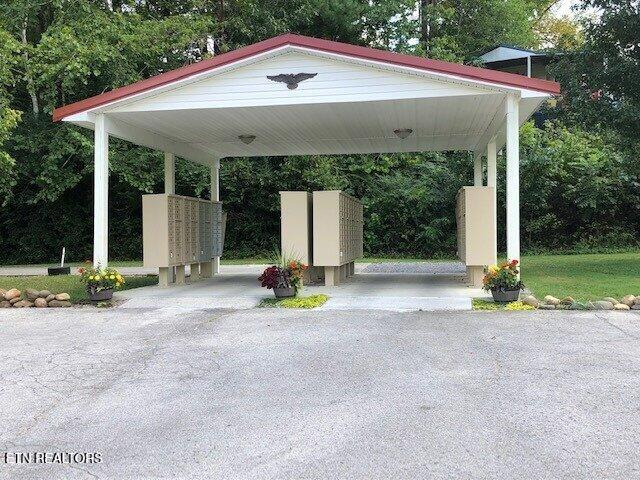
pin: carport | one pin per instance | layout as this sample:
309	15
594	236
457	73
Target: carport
253	102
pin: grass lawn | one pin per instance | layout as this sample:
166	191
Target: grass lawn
584	277
312	301
68	283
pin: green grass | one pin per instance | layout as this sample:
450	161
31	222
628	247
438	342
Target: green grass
312	301
480	304
68	283
584	277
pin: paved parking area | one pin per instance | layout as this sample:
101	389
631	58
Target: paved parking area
273	394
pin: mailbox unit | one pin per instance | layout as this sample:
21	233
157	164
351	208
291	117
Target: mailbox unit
476	230
178	230
337	233
296	231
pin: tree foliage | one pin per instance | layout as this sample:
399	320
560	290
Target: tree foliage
579	174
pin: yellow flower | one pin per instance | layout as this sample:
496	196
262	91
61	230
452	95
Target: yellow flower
90	277
493	268
97	277
112	277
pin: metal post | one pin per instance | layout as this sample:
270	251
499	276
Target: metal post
492	176
101	193
513	179
215	196
167	274
477	169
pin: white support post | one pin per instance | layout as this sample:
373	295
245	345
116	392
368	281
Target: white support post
477	169
215	196
492	176
101	193
513	179
167	274
169	173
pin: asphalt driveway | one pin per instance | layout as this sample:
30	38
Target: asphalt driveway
272	394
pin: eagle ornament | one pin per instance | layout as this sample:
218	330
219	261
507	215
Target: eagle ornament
291	79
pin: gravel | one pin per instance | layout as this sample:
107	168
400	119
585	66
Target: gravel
437	268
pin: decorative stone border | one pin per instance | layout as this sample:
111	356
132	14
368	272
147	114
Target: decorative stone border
13	298
628	302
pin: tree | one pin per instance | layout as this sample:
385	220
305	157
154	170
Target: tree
600	81
9	117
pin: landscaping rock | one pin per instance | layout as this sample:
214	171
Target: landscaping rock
621	306
550	300
637	301
590	306
603	305
562	306
23	304
636	306
2	292
628	300
44	293
40	303
14	300
610	299
59	303
546	306
567	301
31	293
63	297
7	304
531	300
50	297
11	294
577	306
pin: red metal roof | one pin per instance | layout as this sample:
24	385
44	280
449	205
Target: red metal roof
439	66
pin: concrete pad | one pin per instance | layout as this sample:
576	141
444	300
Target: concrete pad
190	303
398	304
239	288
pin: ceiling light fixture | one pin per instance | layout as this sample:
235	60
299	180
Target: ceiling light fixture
247	139
403	133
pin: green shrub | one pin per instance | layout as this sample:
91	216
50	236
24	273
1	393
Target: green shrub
312	301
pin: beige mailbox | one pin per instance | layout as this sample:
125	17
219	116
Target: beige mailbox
476	230
178	230
337	233
296	236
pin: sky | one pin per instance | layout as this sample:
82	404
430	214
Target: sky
563	7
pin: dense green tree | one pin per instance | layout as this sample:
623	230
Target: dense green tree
601	79
54	52
9	117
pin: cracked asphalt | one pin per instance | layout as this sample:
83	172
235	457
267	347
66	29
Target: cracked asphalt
281	394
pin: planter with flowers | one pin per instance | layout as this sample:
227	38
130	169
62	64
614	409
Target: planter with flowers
284	278
503	281
100	282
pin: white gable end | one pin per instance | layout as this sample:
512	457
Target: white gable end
337	80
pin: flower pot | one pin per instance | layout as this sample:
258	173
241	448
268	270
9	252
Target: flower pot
505	296
284	292
100	296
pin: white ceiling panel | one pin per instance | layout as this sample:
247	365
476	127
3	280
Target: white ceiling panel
450	123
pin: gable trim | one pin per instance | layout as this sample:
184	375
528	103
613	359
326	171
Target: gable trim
393	58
